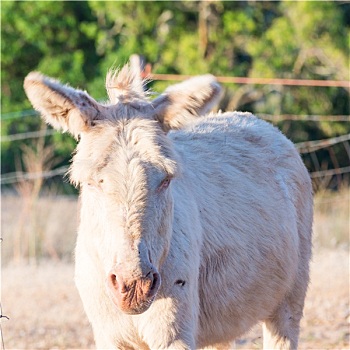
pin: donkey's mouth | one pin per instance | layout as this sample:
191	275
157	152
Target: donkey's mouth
136	296
137	309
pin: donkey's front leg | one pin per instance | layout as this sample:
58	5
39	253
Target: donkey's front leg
170	323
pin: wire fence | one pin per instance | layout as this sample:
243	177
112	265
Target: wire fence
312	146
271	117
11	178
257	81
306	118
27	135
19	114
307	147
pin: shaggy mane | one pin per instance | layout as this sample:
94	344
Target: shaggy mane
125	84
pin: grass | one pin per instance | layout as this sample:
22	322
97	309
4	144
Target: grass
50	226
331	219
43	307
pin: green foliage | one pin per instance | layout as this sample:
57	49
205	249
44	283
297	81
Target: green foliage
78	41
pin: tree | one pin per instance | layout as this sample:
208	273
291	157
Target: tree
78	41
42	36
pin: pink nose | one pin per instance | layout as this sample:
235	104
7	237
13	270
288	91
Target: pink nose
133	296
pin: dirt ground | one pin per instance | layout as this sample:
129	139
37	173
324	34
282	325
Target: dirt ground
46	313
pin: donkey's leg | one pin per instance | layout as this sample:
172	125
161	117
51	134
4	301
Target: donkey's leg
170	323
281	329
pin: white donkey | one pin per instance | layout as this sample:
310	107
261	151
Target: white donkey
192	229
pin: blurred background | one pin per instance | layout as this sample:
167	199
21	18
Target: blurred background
285	61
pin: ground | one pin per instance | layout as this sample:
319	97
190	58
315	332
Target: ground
46	313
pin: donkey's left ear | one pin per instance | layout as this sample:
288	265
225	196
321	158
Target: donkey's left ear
60	105
182	102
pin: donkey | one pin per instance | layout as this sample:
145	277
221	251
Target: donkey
194	226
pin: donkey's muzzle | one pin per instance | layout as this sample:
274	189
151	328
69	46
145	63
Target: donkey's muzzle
133	296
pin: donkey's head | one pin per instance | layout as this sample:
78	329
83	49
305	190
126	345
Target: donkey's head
124	164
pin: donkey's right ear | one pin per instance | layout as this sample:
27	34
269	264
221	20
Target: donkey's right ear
61	106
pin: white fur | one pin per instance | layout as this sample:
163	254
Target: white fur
234	224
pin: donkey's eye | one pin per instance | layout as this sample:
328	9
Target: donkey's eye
164	184
100	181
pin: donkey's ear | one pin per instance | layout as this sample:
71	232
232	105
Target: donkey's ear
182	102
61	106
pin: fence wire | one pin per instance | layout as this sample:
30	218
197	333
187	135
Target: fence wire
303	148
312	146
270	117
307	147
27	135
11	178
257	81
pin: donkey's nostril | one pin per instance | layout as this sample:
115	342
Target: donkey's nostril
113	281
155	278
116	283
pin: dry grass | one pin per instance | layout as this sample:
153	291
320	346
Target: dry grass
44	308
53	225
46	313
331	220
